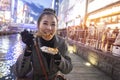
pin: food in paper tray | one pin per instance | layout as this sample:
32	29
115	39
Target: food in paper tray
49	50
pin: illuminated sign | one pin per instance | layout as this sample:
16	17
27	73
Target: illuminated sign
5	5
113	10
97	4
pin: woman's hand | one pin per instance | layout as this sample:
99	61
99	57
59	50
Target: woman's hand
27	38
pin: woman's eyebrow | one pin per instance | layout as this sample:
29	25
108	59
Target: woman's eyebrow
53	22
45	21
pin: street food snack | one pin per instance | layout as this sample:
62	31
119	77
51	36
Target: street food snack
49	50
47	35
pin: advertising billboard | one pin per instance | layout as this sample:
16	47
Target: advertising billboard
5	5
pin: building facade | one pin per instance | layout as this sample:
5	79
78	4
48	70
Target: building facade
71	13
106	14
55	5
5	11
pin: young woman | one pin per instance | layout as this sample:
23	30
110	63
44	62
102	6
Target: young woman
52	50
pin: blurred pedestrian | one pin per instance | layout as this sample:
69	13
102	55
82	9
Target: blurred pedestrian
115	32
105	36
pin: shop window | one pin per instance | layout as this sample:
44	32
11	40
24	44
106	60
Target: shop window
118	18
114	18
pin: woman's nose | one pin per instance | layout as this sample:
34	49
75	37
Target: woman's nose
49	27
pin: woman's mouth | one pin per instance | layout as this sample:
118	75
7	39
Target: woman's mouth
47	34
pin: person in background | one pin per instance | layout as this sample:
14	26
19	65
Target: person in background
105	36
28	63
115	32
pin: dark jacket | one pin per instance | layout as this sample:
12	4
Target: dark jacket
26	66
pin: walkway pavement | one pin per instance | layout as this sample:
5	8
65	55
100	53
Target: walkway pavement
83	72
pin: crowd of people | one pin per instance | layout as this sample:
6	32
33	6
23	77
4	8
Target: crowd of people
93	37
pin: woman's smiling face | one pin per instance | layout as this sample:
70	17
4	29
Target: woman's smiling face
47	26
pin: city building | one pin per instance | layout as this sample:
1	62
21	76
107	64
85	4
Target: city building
71	13
106	14
55	5
5	11
19	12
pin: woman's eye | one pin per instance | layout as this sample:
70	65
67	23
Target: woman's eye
52	24
45	23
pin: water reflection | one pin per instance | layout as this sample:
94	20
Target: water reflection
4	44
10	48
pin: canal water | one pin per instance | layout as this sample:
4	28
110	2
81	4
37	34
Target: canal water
11	47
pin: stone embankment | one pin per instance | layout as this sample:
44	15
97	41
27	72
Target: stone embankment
105	61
